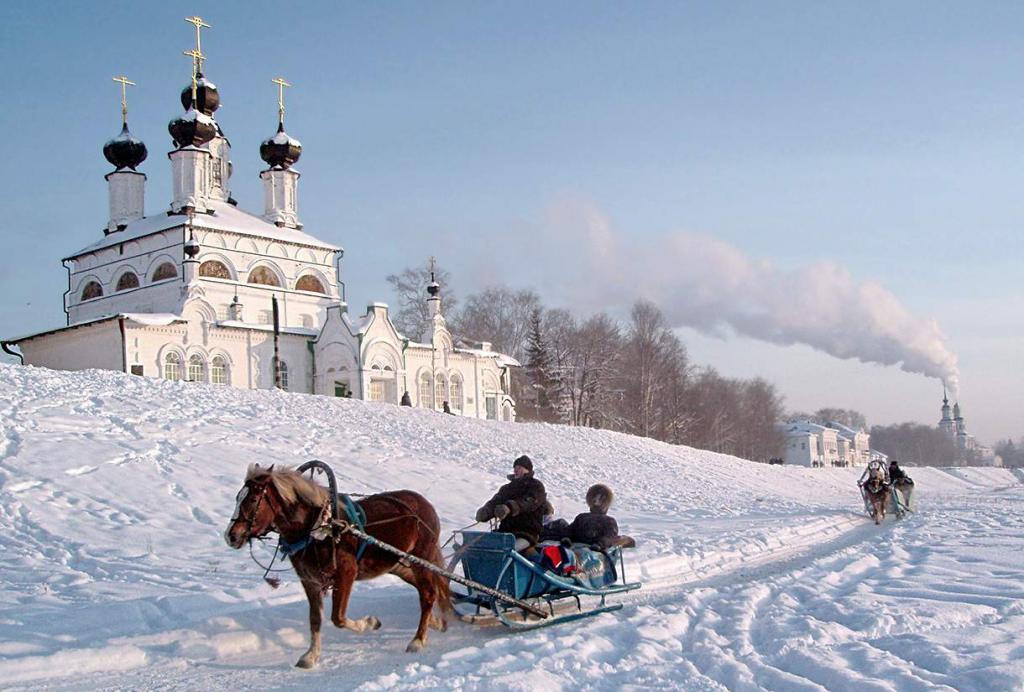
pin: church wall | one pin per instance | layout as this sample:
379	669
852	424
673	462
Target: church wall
248	352
288	262
481	378
89	346
142	257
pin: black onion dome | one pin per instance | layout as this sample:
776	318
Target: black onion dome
192	129
281	150
434	289
207	96
125	151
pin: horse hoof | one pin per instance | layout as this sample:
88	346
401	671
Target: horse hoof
306	662
374	623
414	646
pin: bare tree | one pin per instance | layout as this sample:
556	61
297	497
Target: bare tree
499	315
410	287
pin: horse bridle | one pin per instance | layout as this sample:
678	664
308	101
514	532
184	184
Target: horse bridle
250	517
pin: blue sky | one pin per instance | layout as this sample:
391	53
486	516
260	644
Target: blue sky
885	138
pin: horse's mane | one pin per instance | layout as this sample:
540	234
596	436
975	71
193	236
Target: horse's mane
291	486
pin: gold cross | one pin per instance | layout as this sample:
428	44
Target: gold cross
281	84
199	25
432	261
197	61
124	96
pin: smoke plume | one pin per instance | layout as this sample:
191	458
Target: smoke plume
710	285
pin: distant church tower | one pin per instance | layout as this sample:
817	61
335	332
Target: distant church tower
946	424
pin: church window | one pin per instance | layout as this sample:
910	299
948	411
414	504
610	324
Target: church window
218	370
491	407
424	393
92	290
165	271
263	276
127	280
377	390
196	369
455	394
309	283
266	316
214	270
282	369
440	389
172	366
307	321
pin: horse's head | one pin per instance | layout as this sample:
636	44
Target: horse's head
254	511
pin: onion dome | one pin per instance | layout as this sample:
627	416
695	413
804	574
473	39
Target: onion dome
434	289
207	96
192	129
281	150
191	246
125	151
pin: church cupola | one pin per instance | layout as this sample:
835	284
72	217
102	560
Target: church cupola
193	175
280	182
126	186
433	307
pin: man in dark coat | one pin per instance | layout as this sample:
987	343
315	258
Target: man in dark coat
518	505
898	475
596	527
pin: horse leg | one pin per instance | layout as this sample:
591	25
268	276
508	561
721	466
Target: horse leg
409	577
428	596
343	580
315	597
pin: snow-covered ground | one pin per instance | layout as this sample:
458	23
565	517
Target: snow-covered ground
115	491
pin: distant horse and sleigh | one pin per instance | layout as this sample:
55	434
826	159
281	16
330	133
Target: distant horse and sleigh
884	490
334	540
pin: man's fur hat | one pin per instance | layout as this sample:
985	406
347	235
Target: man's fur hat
599	498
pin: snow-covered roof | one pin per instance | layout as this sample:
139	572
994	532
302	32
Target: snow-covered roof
844	430
151	319
298	331
161	319
224	217
803	427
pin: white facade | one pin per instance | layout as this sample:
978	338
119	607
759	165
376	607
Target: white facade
810	444
187	294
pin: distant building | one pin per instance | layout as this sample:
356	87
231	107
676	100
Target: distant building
833	444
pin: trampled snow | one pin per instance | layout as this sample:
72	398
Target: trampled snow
115	491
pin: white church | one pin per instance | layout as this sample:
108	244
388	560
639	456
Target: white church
189	292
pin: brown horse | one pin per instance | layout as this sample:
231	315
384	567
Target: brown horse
284	501
877	492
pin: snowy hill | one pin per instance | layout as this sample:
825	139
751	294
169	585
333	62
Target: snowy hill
115	491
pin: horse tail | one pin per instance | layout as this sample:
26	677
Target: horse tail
441	584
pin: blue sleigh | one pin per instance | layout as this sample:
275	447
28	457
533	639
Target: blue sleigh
490	559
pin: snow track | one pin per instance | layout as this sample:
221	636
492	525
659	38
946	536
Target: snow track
114	492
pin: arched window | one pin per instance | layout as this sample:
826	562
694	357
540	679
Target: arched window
214	270
424	393
282	368
440	391
263	276
307	321
165	271
219	370
127	280
455	393
196	369
309	283
172	366
92	290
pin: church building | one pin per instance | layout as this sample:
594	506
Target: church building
203	291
